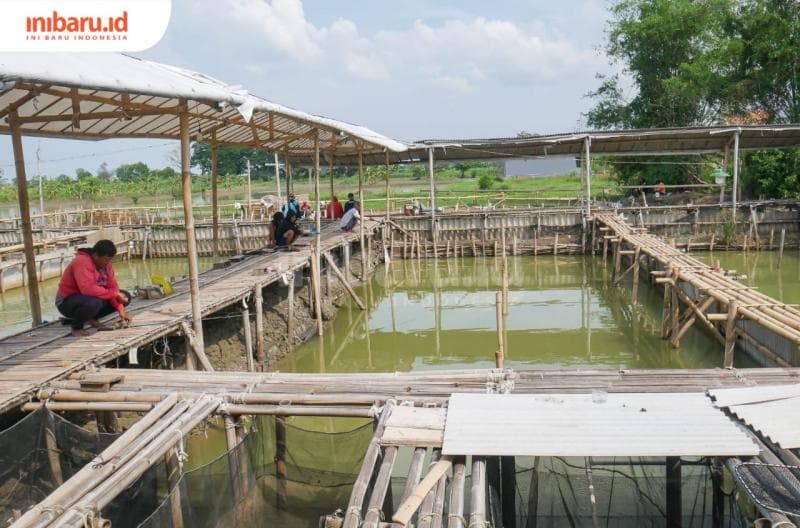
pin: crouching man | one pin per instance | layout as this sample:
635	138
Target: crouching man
88	290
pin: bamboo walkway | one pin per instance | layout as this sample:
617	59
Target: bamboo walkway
34	357
696	292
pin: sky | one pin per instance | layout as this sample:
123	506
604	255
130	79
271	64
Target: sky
410	70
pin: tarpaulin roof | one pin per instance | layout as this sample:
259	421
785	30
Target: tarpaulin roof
102	96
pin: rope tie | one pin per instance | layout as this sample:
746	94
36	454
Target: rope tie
356	511
479	524
378	511
56	510
182	455
375	410
459	518
88	514
429	516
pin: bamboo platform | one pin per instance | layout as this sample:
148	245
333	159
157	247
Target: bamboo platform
735	314
34	357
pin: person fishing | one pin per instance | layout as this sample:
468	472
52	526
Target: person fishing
273	226
88	289
288	231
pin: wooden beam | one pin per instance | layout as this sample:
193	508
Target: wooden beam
344	281
25	220
191	243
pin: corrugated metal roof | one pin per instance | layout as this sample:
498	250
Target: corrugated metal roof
778	420
760	393
110	95
574	425
631	142
774	411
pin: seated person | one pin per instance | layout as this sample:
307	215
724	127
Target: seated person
288	231
351	202
661	190
350	219
305	210
291	205
334	209
88	290
273	225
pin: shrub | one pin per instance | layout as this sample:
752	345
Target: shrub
485	182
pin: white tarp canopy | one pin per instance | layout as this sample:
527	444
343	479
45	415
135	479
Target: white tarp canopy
582	425
100	96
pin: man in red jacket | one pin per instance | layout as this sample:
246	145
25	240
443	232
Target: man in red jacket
88	290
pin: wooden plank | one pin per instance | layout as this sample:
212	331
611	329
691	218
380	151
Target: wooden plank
407	436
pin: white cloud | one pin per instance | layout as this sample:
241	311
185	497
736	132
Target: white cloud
456	54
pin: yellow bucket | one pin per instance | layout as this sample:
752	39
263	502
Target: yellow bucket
160	280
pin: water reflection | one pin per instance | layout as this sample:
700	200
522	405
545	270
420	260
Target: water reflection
563	312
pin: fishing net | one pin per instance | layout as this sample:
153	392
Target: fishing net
771	486
248	486
43	450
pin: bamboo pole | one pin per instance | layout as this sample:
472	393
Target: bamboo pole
98	469
281	496
414	472
25	218
290	309
233	459
533	495
477	516
403	514
505	285
196	347
343	279
431	173
456	504
261	346
730	334
635	288
353	517
191	245
780	248
248	337
363	213
315	254
386	159
97	499
215	192
173	469
53	452
500	353
379	489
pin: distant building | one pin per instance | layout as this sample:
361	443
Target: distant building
531	168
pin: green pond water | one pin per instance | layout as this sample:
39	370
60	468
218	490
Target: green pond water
563	313
15	307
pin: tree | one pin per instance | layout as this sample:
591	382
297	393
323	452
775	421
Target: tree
132	171
234	160
82	174
104	173
678	55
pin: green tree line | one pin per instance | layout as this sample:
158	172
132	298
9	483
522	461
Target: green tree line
704	62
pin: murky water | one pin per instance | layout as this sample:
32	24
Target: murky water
765	271
563	313
15	308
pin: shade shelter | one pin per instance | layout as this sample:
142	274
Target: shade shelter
104	96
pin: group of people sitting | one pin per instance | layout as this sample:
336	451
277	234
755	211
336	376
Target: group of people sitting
284	228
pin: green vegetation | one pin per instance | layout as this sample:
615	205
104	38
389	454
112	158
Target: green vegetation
701	62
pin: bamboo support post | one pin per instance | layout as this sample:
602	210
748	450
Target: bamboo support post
477	516
25	219
505	285
379	489
188	217
281	497
456	504
290	309
780	247
343	279
500	353
195	347
414	472
233	459
315	286
353	514
173	469
248	337
362	247
53	452
214	194
261	346
635	286
730	333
